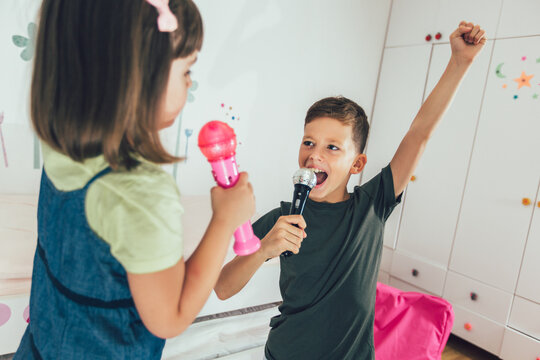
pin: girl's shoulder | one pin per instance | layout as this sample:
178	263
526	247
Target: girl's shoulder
144	193
144	179
69	175
138	213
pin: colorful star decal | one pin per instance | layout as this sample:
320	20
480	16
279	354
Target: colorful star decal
535	96
523	80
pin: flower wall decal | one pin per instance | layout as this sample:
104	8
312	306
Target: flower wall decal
190	99
26	42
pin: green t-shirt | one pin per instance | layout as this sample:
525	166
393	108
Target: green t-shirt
329	288
137	212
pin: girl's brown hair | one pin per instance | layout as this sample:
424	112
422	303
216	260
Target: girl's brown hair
100	72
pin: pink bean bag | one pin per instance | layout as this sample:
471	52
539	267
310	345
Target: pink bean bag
410	325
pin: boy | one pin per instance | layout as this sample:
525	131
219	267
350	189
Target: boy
328	287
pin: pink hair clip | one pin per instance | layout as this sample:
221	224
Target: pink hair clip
167	22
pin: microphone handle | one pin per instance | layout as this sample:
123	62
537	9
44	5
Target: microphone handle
300	195
226	175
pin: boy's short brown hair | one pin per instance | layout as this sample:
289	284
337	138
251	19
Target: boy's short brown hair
100	71
346	111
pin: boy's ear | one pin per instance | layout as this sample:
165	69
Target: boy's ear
359	164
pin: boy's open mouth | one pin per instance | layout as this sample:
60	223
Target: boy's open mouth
321	176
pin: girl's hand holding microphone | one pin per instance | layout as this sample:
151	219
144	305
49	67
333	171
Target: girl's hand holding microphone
233	206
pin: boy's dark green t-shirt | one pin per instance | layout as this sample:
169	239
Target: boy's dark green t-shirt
329	288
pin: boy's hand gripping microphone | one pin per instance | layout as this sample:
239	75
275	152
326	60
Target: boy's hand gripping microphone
217	142
304	180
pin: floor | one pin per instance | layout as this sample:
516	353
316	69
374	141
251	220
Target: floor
456	349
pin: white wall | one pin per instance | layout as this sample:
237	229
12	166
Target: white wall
267	59
21	176
270	60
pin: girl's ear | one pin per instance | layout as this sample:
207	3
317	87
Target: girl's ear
358	164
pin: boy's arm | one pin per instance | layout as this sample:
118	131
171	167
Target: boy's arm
466	42
284	236
236	274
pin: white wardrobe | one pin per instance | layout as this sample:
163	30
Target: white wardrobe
468	228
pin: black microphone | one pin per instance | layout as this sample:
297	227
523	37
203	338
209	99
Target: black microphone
304	180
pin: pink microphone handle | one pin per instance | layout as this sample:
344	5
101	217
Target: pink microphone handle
225	172
226	175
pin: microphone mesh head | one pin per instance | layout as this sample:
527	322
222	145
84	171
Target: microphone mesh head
305	177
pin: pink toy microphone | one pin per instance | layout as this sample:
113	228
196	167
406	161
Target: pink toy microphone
217	142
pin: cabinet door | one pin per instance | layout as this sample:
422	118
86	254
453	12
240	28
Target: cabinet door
477	329
529	276
430	213
399	96
504	169
517	346
412	20
525	317
519	18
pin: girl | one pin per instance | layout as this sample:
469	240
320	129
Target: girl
109	279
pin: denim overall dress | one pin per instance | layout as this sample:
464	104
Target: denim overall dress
80	303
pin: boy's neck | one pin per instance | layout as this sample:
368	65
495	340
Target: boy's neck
333	198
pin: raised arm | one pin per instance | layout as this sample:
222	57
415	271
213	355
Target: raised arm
466	42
